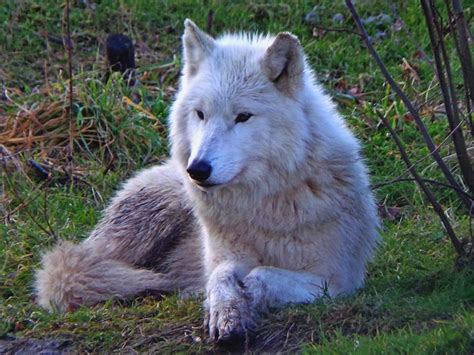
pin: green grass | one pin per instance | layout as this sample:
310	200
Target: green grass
414	301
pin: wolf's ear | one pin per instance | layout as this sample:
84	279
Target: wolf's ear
197	45
283	62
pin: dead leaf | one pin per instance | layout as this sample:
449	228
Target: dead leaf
340	85
318	32
355	91
369	121
408	117
389	213
398	25
419	55
410	71
142	47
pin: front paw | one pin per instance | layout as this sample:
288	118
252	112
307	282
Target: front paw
230	321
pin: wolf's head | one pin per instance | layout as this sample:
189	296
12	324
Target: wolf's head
239	116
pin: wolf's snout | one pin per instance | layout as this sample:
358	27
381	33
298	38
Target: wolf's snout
199	170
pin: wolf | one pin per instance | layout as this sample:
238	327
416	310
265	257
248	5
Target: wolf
265	199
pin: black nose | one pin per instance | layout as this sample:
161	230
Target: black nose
199	170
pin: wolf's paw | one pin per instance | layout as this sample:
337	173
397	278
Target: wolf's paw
230	321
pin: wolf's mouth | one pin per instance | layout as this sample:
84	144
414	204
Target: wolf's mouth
204	184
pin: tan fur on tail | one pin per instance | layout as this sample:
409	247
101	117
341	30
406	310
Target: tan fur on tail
73	275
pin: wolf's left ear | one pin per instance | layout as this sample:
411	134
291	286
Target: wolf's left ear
283	62
197	45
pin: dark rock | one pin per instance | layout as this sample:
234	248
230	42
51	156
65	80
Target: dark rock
10	345
121	55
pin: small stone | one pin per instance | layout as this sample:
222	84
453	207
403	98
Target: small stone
381	35
338	19
312	17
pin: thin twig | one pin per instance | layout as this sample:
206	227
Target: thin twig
210	21
23	204
471	236
436	206
428	181
447	89
17	195
336	29
70	110
464	48
421	126
45	210
440	145
109	165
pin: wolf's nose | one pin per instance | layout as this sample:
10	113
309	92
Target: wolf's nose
199	170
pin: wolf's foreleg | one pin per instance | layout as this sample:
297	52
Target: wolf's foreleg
236	296
229	315
270	287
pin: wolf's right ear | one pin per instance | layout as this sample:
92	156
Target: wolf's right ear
283	63
197	45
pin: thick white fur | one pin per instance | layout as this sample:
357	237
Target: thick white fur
291	216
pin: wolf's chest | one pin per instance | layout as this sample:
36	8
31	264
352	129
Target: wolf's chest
294	251
288	246
281	213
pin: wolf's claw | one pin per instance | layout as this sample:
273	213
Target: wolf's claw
231	323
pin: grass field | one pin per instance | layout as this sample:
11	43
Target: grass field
414	301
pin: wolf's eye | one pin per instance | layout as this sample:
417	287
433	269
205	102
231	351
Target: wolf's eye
242	117
200	114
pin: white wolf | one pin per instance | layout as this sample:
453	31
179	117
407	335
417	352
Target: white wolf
265	200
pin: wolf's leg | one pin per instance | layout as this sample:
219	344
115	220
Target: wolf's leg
229	315
148	225
270	287
236	297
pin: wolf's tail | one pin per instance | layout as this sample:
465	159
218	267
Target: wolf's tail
146	242
73	275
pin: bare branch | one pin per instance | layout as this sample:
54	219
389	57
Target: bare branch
68	46
210	21
447	89
440	145
421	126
464	53
52	233
24	205
336	29
436	206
